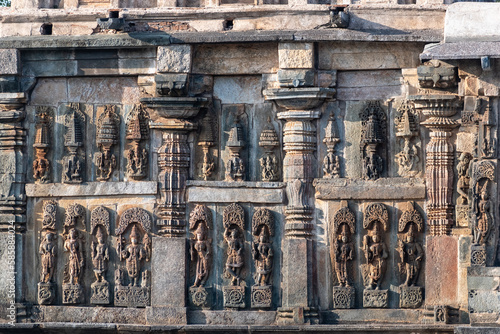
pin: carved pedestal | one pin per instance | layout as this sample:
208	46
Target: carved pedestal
261	296
200	296
46	293
299	144
72	293
410	296
343	297
478	255
100	293
132	296
234	296
375	298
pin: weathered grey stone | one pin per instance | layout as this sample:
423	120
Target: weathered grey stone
296	78
381	189
168	273
9	61
91	189
462	19
222	318
228	192
166	315
296	55
174	58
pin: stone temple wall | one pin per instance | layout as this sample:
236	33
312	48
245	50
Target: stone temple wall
342	177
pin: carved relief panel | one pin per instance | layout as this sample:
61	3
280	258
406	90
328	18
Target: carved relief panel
106	138
132	283
373	139
137	135
48	254
411	254
43	134
269	163
375	222
74	141
73	237
263	257
99	253
200	249
234	229
331	162
407	124
206	140
342	253
463	184
235	166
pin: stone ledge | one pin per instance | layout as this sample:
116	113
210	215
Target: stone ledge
381	189
483	271
91	189
228	192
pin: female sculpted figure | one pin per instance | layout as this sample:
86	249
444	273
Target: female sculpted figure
200	251
376	253
412	256
100	256
73	246
343	254
48	253
263	256
483	216
234	261
133	254
463	178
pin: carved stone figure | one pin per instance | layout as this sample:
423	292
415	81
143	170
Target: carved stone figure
107	136
74	140
137	134
262	253
482	206
73	246
331	162
463	178
488	140
100	255
134	252
234	225
235	167
48	252
407	129
41	164
375	221
207	140
269	162
373	134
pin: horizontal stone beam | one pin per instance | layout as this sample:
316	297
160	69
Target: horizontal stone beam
381	189
91	189
230	192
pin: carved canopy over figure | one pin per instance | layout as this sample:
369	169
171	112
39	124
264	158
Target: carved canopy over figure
75	259
48	251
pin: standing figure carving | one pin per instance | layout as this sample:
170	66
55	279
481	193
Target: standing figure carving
135	253
263	256
48	253
137	134
235	166
331	162
376	221
269	162
100	255
463	178
482	206
73	245
234	227
373	135
107	137
411	255
407	129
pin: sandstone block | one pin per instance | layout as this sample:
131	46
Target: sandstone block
174	58
296	55
9	61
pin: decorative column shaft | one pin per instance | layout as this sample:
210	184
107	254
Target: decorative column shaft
439	160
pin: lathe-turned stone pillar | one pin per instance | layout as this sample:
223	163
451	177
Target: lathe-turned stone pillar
441	275
299	166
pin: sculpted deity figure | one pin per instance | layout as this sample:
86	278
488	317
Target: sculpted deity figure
343	254
48	254
484	218
463	178
376	254
200	252
263	255
134	253
412	255
75	260
100	256
235	260
106	164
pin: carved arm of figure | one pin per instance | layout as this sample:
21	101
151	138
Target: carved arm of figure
81	259
366	248
124	254
192	251
93	252
420	252
351	253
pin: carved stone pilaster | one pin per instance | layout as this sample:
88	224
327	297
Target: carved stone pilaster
12	164
299	144
73	163
439	159
171	116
